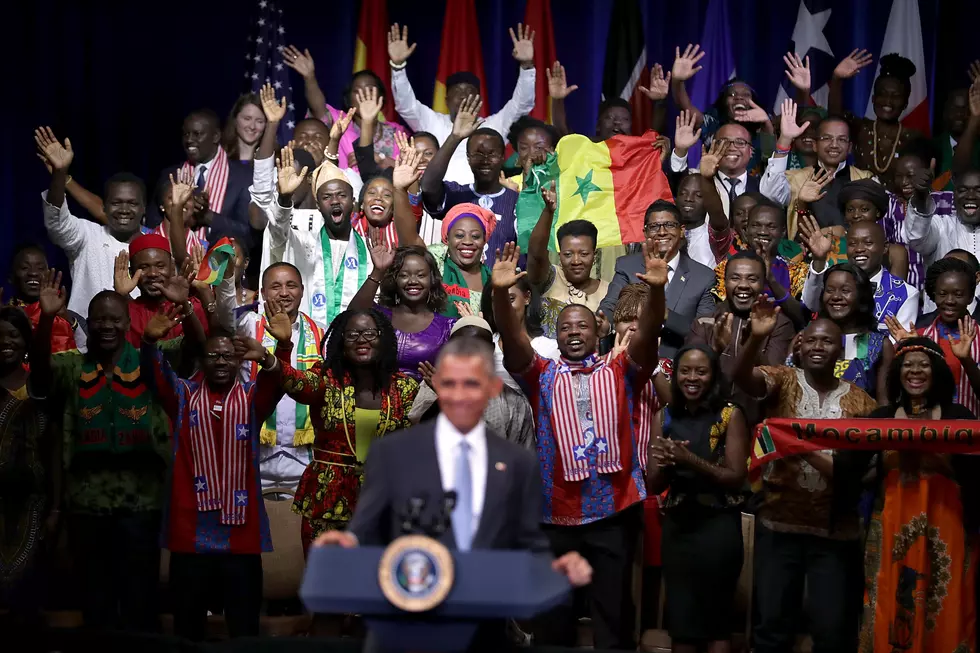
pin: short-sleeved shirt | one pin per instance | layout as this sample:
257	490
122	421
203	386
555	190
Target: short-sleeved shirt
796	497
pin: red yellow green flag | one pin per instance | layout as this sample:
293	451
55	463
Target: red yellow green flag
215	264
610	184
460	51
371	48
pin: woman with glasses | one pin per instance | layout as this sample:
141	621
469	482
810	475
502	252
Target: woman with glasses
356	395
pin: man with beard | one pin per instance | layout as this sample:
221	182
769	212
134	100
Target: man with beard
589	425
91	248
28	269
805	535
689	283
221	196
332	257
116	448
833	146
728	329
933	235
286	438
460	85
865	249
485	153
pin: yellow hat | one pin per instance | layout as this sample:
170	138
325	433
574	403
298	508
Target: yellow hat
327	171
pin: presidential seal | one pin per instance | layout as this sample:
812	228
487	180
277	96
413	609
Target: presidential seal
415	573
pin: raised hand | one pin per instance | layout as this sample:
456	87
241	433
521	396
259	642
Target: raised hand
249	349
722	332
711	157
974	98
464	309
620	344
467	117
659	85
550	197
404	142
656	266
686	65
897	331
963	348
922	179
55	154
406	171
797	70
505	273
162	322
974	71
301	62
684	135
398	49
523	43
368	103
787	121
819	243
177	288
181	188
274	111
289	179
813	189
852	64
763	317
277	322
754	113
427	372
382	255
558	87
122	282
203	289
53	297
340	125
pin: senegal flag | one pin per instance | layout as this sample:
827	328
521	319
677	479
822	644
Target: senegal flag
610	184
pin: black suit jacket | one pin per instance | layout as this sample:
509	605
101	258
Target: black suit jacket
405	465
233	219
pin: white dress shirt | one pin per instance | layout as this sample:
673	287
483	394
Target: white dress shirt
699	246
448	440
906	313
206	167
672	267
422	118
679	164
933	236
91	251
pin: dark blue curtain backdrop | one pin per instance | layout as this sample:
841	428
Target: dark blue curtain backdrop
117	77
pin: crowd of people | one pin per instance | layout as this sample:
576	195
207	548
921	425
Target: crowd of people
815	265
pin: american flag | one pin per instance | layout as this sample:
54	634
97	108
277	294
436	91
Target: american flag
265	65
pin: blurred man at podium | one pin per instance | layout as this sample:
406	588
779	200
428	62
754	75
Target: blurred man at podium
496	483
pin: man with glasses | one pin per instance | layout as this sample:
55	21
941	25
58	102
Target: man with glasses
833	146
689	283
485	154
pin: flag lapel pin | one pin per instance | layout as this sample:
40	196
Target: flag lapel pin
500	467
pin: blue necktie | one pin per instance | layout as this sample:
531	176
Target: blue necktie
463	512
200	179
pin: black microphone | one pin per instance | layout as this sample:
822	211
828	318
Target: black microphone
413	518
445	519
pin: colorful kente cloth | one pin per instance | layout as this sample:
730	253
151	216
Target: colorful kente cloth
791	275
920	568
330	484
23	487
598	495
216	528
116	435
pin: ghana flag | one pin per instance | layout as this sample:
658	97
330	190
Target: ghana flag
610	184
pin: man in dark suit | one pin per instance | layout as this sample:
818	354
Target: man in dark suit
689	283
497	483
221	199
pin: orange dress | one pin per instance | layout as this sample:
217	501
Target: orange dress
919	564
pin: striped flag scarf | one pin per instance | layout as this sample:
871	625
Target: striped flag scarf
389	234
573	443
217	182
937	332
220	436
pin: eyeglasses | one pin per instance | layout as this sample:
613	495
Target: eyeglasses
840	140
367	335
480	157
739	143
215	356
661	226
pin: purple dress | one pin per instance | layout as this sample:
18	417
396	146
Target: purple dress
415	348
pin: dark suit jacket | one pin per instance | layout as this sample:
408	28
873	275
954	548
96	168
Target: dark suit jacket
233	219
688	296
405	465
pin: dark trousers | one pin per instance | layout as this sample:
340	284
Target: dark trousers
610	547
831	570
118	560
239	576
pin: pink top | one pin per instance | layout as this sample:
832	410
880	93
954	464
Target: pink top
384	142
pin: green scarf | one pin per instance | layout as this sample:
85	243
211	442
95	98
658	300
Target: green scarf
530	203
113	416
340	289
455	285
